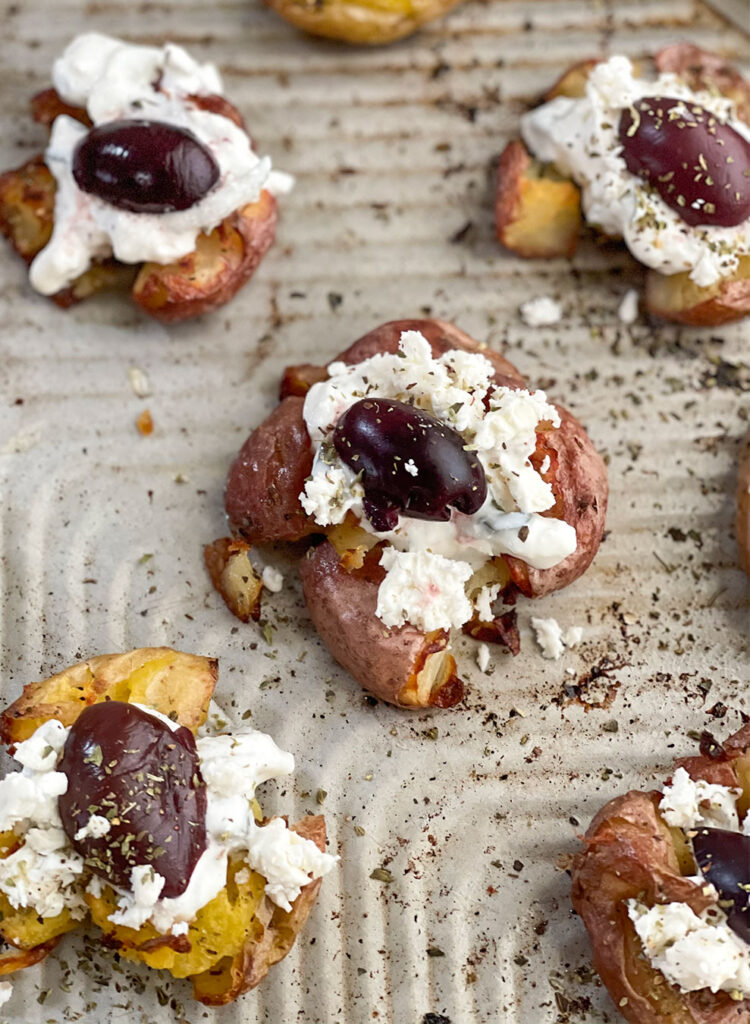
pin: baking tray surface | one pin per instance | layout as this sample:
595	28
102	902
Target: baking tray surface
473	813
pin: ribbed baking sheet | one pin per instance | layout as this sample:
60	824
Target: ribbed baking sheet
474	811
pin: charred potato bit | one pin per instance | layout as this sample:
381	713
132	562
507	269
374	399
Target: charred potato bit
363	22
630	852
232	574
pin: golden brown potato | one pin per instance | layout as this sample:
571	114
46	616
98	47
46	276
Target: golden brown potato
275	933
630	852
742	518
177	684
340	578
208	277
364	22
403	666
232	574
679	299
537	212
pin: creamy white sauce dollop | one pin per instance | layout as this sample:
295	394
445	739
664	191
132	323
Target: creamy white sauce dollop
116	80
580	137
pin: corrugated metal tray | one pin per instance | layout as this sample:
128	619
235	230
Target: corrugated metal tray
474	812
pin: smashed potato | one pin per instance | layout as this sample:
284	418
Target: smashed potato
341	576
630	852
222	262
364	22
538	212
239	934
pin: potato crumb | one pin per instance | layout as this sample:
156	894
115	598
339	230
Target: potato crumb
144	423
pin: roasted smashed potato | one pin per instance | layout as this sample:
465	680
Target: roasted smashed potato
232	574
341	576
538	212
240	933
630	852
364	22
222	262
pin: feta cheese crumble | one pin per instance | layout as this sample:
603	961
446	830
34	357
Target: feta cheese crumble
272	579
6	991
627	311
580	136
692	803
115	80
552	639
542	311
693	951
46	873
483	657
500	424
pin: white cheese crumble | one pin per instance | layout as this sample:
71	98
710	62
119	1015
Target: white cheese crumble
552	639
139	382
96	827
580	136
693	951
483	657
6	991
542	311
627	311
691	803
114	80
423	589
272	579
500	424
46	873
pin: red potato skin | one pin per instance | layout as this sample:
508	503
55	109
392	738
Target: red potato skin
582	489
267	477
705	70
342	608
628	853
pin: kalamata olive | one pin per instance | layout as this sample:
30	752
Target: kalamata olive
144	778
409	462
697	163
144	166
724	859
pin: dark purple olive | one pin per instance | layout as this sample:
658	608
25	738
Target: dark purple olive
698	164
132	769
409	462
144	166
724	859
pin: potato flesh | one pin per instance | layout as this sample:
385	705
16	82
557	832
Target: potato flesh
179	684
220	928
363	22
